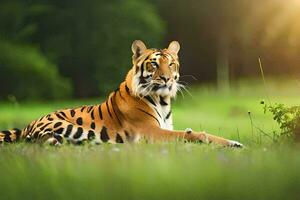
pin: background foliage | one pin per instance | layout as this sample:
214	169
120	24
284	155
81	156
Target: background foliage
288	118
88	42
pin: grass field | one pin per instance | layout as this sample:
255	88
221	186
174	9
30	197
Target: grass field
264	170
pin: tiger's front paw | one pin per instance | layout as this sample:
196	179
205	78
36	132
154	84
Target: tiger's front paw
188	130
235	144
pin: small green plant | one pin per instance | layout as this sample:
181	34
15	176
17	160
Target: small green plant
287	117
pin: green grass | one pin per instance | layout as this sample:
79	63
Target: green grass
264	170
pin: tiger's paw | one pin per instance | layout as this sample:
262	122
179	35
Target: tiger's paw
188	130
235	144
53	142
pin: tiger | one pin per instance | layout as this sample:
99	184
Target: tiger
139	109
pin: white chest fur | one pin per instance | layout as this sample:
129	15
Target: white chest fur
162	108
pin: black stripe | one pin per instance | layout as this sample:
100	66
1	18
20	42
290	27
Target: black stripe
162	102
127	89
59	138
119	139
149	115
18	133
150	100
59	116
69	130
121	95
100	111
32	125
137	69
78	133
168	115
6	132
107	107
142	69
91	135
82	109
72	113
7	136
90	108
50	119
57	124
59	131
39	124
93	126
157	112
63	114
79	121
43	127
36	134
48	129
113	107
103	134
92	115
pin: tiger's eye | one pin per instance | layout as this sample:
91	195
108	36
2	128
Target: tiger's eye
172	65
149	67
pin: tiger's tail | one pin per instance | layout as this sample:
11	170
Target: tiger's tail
10	136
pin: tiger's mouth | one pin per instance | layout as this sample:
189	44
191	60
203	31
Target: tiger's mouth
161	86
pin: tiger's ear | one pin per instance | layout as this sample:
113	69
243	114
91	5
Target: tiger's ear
138	47
174	47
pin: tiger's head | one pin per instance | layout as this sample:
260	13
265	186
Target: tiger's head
155	71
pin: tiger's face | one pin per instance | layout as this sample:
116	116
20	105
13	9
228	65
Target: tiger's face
156	72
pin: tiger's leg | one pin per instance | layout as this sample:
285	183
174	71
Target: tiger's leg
51	138
159	134
208	138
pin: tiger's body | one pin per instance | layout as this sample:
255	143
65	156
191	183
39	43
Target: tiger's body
139	109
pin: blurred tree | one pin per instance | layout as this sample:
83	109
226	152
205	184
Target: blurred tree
24	71
223	39
91	40
26	74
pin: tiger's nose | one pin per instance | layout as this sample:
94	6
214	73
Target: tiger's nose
166	79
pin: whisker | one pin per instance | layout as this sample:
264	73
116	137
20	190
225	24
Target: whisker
188	75
183	82
188	92
180	86
180	90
